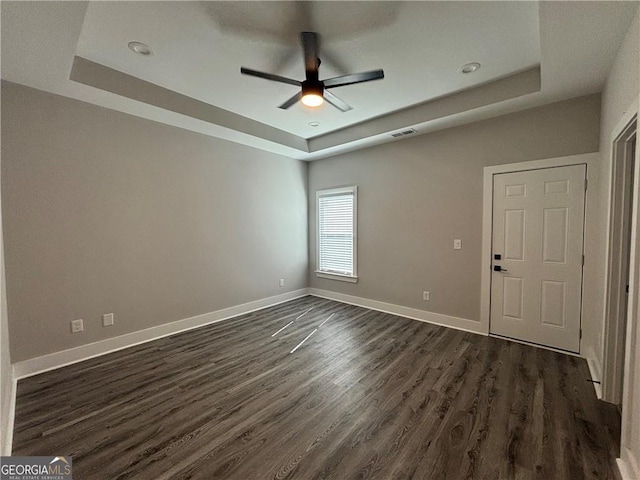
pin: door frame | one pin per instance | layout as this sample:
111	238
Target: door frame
629	460
613	355
591	160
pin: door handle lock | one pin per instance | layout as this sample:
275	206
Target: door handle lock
498	268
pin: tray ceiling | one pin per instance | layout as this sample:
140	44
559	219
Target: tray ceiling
193	80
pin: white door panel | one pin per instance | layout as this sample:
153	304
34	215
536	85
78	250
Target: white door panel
538	221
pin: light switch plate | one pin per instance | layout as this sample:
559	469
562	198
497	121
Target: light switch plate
457	244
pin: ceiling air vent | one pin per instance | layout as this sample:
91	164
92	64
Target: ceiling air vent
404	132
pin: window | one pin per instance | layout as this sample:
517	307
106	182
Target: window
336	223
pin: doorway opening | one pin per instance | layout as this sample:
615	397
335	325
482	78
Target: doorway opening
622	188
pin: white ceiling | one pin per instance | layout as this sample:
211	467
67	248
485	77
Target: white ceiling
531	53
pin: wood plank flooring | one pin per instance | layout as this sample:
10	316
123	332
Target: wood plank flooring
368	395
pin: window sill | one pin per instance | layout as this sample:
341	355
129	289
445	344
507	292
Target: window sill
336	276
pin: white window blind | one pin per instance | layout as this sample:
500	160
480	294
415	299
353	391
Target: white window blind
336	231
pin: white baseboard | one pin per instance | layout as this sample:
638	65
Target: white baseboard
11	415
595	369
55	360
34	366
626	470
408	312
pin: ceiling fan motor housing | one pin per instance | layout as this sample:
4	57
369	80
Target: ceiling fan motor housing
312	87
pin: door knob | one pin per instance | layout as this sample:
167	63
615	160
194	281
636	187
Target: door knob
498	268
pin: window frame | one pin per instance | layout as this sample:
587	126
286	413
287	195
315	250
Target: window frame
353	278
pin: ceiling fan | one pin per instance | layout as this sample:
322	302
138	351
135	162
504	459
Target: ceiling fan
313	90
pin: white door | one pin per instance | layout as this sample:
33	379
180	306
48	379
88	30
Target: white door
536	284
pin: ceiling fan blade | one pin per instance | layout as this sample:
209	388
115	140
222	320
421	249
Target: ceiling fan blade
353	78
310	48
270	76
336	101
291	101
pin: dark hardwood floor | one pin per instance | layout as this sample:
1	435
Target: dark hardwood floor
368	395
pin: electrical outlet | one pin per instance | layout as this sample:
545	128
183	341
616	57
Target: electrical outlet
457	244
426	296
282	282
107	319
77	326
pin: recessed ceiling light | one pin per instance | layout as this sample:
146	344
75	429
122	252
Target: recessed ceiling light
141	48
314	124
469	67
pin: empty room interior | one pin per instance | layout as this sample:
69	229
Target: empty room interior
325	239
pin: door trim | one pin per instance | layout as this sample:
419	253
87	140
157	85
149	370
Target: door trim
629	460
590	160
613	354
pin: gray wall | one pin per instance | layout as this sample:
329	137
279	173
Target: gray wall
105	212
620	90
416	195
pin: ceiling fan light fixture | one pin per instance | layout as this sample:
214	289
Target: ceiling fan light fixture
312	93
312	100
